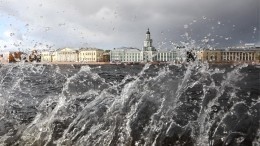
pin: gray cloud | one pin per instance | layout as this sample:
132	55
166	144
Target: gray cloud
108	24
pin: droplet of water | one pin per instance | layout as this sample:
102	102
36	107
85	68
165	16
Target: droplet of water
240	139
62	24
204	17
255	30
186	26
186	34
47	29
219	22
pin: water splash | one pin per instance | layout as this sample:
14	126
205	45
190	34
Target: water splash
192	104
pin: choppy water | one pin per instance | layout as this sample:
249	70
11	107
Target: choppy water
194	104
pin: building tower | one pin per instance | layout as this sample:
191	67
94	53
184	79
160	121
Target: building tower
148	42
148	50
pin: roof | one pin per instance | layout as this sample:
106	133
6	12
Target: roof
66	50
166	51
126	49
90	49
132	50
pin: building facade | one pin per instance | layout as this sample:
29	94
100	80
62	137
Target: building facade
117	55
91	55
125	55
46	56
165	56
12	56
66	55
248	55
148	51
132	55
106	56
147	54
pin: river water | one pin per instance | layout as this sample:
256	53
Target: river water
160	105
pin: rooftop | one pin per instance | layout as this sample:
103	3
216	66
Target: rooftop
90	49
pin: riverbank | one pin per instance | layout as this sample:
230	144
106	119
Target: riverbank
131	63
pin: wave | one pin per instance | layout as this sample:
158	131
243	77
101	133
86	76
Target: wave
192	104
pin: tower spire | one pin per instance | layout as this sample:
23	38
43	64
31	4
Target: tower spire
148	32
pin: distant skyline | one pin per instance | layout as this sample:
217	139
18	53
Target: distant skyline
111	24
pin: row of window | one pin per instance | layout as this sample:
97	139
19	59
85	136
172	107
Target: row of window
225	57
64	53
45	54
138	54
87	59
92	53
123	58
237	53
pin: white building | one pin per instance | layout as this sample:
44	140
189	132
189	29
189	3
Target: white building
147	54
125	55
165	56
132	55
148	51
66	55
117	55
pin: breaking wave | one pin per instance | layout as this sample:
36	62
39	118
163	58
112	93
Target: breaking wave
193	104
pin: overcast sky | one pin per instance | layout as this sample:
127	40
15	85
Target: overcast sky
110	24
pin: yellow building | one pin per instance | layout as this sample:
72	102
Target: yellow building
229	56
54	56
66	55
209	55
46	56
91	55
